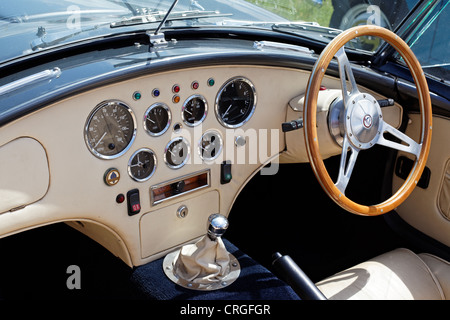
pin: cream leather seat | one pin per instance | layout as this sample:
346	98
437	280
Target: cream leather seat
396	275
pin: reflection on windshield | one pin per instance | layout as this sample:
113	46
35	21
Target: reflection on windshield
341	15
33	25
430	42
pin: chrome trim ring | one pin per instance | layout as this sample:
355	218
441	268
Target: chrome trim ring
196	123
219	95
186	158
218	147
169	114
88	122
131	160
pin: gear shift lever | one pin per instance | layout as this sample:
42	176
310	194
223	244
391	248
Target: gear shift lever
216	226
205	265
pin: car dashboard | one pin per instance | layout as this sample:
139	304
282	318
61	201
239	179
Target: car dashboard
139	156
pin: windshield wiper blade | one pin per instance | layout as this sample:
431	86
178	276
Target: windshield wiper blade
46	40
159	16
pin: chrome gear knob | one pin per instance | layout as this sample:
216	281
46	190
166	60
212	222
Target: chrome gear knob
216	226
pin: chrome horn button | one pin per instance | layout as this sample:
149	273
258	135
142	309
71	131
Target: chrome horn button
362	120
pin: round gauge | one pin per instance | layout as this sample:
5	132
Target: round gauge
110	129
157	119
142	165
235	102
194	110
176	153
210	145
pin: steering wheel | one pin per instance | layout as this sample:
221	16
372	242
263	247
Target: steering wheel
363	122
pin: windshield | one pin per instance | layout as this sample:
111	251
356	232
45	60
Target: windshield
30	26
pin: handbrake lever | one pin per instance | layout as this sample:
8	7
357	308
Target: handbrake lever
291	273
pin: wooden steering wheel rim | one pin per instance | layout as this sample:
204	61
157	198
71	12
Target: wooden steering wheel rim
310	129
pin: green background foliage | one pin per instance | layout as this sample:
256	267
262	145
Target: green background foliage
299	10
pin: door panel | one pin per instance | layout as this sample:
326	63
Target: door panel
427	209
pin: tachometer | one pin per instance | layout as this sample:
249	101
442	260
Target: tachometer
110	129
235	102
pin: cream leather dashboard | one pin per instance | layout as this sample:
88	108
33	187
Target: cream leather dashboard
58	179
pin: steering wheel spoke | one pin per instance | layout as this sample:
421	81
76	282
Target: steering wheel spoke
408	145
346	166
346	74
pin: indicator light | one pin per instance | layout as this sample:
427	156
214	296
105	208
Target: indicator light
137	95
195	85
211	82
156	92
120	198
176	99
176	88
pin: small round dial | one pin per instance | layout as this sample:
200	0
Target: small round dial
176	153
210	145
142	165
235	102
194	110
157	119
110	129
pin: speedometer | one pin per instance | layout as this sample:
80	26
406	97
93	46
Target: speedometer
110	129
235	102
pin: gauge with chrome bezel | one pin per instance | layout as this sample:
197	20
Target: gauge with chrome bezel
157	119
210	145
194	110
142	165
110	129
235	102
176	153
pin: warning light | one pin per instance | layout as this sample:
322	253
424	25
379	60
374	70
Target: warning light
137	95
156	93
120	198
176	88
195	85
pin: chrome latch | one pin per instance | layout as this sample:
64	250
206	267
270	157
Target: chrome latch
157	39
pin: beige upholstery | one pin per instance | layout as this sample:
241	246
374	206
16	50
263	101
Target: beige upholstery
396	275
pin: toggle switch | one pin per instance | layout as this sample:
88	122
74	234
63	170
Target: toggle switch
225	172
134	203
